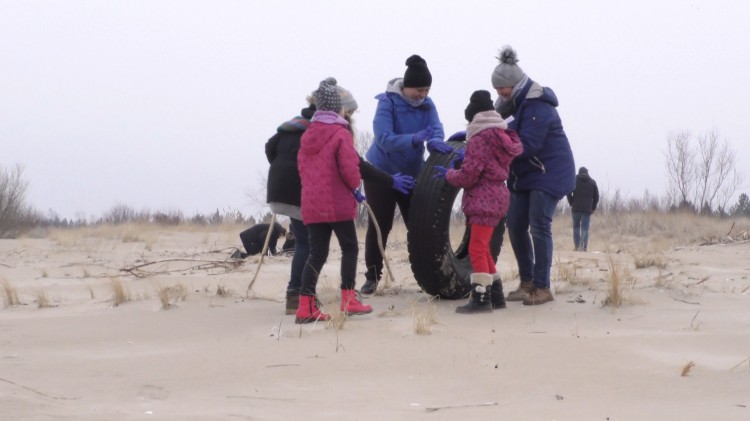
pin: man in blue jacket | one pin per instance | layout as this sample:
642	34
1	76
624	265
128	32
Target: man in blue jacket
542	175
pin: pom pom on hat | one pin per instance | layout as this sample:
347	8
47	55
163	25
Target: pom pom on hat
507	73
327	97
417	74
479	101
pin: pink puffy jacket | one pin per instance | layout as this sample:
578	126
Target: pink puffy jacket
329	170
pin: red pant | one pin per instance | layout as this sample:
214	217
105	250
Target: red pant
479	249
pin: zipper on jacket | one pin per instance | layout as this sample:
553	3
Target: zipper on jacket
537	163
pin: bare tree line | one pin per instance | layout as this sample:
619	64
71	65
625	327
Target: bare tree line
702	177
702	172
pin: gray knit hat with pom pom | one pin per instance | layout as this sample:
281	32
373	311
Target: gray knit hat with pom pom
327	97
507	73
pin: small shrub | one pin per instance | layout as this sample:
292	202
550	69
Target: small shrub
11	294
120	293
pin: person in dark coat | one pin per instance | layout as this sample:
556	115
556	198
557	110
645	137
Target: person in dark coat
583	201
539	178
254	237
284	189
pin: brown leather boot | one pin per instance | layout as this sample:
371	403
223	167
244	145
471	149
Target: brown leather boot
521	293
538	296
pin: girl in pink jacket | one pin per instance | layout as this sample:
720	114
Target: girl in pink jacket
329	171
490	149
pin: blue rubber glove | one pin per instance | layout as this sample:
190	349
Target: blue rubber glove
440	171
403	183
436	145
461	136
421	136
458	159
358	196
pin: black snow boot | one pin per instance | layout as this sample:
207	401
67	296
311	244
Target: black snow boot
479	300
496	294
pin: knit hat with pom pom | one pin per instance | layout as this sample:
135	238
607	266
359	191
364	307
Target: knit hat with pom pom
507	73
328	97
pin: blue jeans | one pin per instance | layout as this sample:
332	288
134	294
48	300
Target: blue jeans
530	232
581	230
301	251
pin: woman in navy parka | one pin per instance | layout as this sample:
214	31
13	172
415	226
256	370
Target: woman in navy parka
542	175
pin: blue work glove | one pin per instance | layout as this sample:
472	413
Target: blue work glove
440	171
460	136
421	136
458	159
436	145
358	196
403	183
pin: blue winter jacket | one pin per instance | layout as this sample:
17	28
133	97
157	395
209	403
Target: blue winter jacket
546	163
394	126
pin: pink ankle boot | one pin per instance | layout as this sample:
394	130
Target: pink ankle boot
308	311
351	305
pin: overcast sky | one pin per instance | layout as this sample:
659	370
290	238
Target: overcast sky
167	105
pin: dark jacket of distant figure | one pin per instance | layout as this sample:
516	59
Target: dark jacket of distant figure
586	195
546	163
284	184
254	237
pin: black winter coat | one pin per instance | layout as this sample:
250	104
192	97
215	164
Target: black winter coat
284	185
585	197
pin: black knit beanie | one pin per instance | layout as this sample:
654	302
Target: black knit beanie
479	101
417	74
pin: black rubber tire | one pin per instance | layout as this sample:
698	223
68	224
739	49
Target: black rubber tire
438	269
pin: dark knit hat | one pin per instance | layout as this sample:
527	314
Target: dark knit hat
479	101
417	74
507	73
583	170
327	97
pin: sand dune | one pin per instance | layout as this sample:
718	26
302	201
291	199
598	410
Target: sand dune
186	340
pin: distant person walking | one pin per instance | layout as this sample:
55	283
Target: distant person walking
542	175
406	122
583	201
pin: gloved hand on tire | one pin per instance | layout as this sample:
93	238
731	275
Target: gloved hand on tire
403	183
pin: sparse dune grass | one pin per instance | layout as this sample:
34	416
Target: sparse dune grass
424	315
120	293
41	299
169	296
10	292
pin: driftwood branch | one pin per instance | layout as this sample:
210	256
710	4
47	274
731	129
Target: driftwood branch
30	389
200	264
469	405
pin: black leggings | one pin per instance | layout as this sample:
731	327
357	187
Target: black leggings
383	201
319	236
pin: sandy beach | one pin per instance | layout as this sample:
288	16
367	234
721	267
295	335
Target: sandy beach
149	322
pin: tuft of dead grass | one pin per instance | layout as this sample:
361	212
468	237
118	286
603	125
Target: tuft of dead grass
424	316
618	279
686	368
11	293
169	296
120	293
41	299
649	258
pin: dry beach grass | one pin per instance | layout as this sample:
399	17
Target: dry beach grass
153	322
